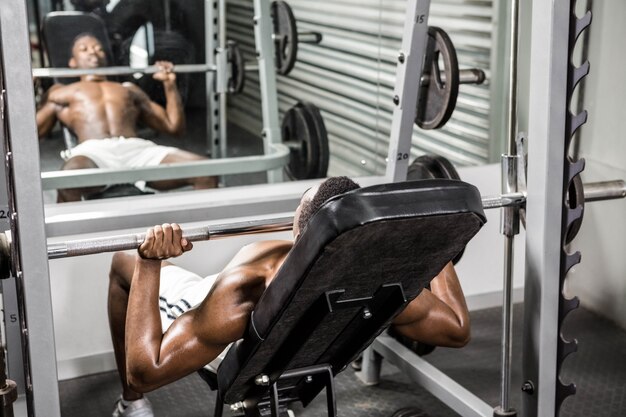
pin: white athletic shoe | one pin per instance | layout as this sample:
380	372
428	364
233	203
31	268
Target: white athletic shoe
139	408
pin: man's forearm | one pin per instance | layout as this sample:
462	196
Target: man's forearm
143	320
174	107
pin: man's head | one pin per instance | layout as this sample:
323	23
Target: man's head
87	52
316	196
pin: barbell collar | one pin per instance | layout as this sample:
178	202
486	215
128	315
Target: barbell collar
466	76
119	70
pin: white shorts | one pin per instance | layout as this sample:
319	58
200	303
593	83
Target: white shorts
120	152
180	291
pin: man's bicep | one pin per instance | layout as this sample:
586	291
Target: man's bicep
184	349
46	118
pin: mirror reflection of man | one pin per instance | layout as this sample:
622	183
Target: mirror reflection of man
104	116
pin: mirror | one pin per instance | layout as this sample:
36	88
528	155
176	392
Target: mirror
350	76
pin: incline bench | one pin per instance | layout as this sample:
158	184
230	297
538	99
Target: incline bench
362	258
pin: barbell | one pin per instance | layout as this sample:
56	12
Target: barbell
593	191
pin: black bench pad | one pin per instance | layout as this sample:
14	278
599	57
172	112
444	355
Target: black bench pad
374	248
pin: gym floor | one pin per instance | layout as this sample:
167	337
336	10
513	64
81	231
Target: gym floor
598	369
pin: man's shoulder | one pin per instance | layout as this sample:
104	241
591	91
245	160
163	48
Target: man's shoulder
262	251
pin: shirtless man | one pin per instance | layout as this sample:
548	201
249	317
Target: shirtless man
167	322
104	116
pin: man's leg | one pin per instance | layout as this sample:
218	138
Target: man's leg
76	194
179	156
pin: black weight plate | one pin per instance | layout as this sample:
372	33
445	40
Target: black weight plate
285	36
433	166
321	136
238	72
298	129
575	197
437	99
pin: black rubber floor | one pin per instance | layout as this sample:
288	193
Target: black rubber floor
598	369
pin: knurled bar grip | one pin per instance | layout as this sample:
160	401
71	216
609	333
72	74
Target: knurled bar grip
133	241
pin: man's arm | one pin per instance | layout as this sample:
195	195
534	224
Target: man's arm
47	113
439	316
154	359
171	119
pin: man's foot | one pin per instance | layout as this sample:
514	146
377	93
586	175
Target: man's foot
137	408
419	348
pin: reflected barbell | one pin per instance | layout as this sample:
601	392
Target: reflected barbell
121	70
593	192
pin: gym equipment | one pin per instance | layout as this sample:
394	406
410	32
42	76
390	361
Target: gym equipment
316	317
235	60
286	36
440	85
433	166
597	192
304	132
61	28
437	99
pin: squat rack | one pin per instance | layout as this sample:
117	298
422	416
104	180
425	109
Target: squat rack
554	32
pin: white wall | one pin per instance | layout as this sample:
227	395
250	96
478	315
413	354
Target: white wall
600	280
79	285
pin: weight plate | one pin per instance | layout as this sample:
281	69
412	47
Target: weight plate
575	197
433	166
299	134
437	99
285	36
321	136
237	70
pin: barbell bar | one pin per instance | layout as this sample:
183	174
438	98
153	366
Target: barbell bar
467	76
133	241
121	70
594	191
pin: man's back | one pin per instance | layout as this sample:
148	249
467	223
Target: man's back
97	109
